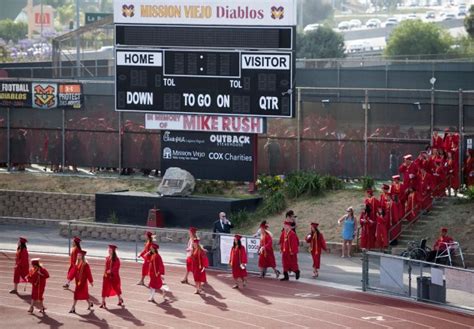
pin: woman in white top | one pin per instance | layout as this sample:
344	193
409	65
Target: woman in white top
189	251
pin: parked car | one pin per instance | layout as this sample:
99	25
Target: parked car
373	23
449	16
311	27
412	17
392	21
355	23
344	25
430	15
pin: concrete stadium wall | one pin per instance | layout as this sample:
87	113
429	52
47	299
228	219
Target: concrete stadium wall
46	205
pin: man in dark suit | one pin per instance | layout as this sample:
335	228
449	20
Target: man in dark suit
223	225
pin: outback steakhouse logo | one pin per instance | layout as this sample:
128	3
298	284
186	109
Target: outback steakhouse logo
128	10
45	97
277	12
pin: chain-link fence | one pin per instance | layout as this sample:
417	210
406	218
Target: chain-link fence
346	132
435	283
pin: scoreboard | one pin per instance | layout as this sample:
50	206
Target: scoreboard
234	60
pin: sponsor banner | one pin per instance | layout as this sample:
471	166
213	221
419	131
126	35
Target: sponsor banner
207	12
210	123
219	156
41	95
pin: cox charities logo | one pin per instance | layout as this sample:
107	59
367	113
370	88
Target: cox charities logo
278	12
230	140
128	10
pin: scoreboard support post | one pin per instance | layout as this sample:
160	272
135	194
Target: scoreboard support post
253	185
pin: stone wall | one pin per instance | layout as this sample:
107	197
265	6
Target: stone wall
46	205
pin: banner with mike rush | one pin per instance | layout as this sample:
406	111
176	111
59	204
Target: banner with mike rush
209	123
216	156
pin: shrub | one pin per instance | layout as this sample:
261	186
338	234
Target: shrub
209	187
368	183
274	203
269	184
470	193
303	183
239	218
331	183
113	219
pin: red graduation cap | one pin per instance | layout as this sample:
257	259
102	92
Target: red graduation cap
370	191
264	225
77	239
237	237
396	177
23	239
407	157
149	234
35	261
112	246
444	229
193	230
315	225
385	187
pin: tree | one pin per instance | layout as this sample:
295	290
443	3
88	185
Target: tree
315	11
414	37
321	43
9	30
469	22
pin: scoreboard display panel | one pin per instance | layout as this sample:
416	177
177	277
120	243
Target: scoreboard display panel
233	67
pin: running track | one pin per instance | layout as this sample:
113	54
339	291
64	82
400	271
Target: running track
263	304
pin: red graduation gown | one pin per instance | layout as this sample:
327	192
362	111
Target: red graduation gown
426	190
453	174
200	262
21	266
373	202
37	277
411	207
437	142
289	250
266	257
367	234
82	275
156	270
238	256
111	284
469	171
381	233
143	254
317	243
72	263
398	197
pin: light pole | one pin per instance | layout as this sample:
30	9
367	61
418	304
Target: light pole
78	46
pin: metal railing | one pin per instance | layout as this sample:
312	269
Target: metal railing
418	280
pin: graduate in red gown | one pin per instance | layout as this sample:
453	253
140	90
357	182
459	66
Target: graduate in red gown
411	207
200	263
468	169
316	245
189	249
381	232
440	178
409	170
447	140
385	196
37	277
82	276
21	264
439	245
156	272
426	184
111	283
452	168
238	262
145	251
367	234
289	244
373	203
76	247
397	193
436	140
266	256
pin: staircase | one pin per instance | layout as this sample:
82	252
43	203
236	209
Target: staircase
417	230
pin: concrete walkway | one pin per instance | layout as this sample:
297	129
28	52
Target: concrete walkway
335	271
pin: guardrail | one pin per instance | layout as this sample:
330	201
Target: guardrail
435	283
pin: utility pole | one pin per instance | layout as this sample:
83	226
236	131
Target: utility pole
78	41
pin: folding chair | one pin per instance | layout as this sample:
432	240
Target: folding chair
450	250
